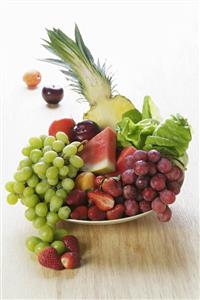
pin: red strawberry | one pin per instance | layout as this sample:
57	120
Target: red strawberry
64	125
102	200
99	180
96	214
71	243
121	162
79	213
49	258
76	197
115	213
70	260
112	186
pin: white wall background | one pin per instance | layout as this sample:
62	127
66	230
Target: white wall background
152	47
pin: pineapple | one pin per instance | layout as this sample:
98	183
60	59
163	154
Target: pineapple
87	78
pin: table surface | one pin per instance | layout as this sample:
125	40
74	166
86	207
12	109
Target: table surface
153	50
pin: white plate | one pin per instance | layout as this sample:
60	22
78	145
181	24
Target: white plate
108	222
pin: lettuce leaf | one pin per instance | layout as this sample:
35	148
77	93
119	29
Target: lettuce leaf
150	110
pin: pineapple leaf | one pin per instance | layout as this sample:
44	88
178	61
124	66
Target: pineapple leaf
79	41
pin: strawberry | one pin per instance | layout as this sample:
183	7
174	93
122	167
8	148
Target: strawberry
115	213
71	243
122	161
102	200
112	186
64	125
96	214
70	260
49	258
80	213
99	180
76	197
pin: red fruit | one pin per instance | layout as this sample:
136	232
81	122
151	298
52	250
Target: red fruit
128	176
103	201
64	125
80	213
112	187
174	186
149	194
70	260
96	214
141	167
131	207
174	174
165	216
144	206
115	213
140	155
71	242
152	169
153	155
129	162
121	162
99	180
167	197
142	182
129	192
76	197
158	182
49	258
164	165
158	206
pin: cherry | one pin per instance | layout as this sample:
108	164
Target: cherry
52	94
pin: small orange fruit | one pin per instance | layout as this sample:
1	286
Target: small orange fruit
32	78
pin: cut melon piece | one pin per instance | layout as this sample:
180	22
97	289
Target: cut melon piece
99	154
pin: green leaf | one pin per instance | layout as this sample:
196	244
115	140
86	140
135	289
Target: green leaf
133	114
150	110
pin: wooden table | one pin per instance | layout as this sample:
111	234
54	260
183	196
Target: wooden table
143	259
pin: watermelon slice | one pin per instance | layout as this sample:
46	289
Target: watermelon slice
99	154
121	162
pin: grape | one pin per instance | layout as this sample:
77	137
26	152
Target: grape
40	168
153	155
31	201
174	174
49	156
49	140
69	150
27	150
144	206
60	233
129	162
76	161
53	182
128	176
12	199
165	216
39	222
61	136
52	218
149	194
30	214
35	155
78	145
158	206
129	192
41	209
31	242
58	162
40	246
55	203
10	186
46	233
46	149
152	169
24	174
64	171
167	197
158	182
68	184
26	162
59	246
131	207
64	212
142	182
58	146
174	186
61	193
86	130
48	195
18	187
43	137
35	142
72	171
52	173
140	155
141	167
42	187
33	181
164	165
28	191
